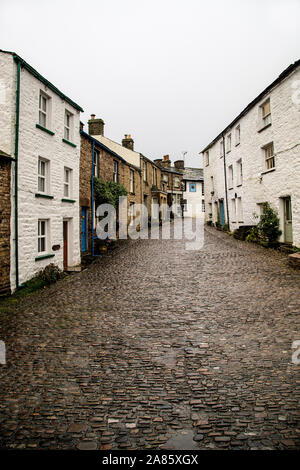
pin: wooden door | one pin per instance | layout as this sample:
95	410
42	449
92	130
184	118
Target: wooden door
288	228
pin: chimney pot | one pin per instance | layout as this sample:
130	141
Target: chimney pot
93	116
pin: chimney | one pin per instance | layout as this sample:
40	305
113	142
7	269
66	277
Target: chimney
179	164
128	142
166	162
81	125
158	161
96	126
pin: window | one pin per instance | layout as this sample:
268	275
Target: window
237	135
131	213
239	209
202	188
212	184
43	175
192	187
68	122
269	156
177	181
42	236
166	179
233	210
131	181
43	109
145	171
154	176
239	172
67	182
185	208
206	158
230	177
115	175
96	163
203	205
184	185
221	148
229	143
266	113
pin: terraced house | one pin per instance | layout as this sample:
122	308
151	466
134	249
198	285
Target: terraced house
39	129
99	161
256	159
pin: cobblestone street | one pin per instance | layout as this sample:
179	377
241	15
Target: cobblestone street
155	347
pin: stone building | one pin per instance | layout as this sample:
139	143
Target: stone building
193	192
5	215
172	177
39	127
108	166
256	159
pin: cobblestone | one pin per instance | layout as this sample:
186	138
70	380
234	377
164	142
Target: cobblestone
152	343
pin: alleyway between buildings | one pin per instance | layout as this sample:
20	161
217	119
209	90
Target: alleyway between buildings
156	346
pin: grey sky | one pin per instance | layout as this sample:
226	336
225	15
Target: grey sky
171	73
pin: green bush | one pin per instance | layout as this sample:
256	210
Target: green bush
254	235
269	224
108	193
49	274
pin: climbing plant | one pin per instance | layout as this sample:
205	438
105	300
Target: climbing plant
108	192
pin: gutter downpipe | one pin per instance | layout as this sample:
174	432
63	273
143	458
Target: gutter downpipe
16	169
225	180
92	194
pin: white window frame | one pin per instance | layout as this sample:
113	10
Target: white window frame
145	171
269	158
228	143
221	148
42	235
233	210
44	110
131	213
68	126
116	171
206	158
266	117
96	163
239	172
67	183
239	209
131	188
177	182
238	135
44	178
230	176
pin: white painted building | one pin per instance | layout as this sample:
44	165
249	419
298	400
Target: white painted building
261	160
193	193
39	127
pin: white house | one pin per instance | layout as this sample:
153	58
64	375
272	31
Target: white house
193	192
256	159
39	128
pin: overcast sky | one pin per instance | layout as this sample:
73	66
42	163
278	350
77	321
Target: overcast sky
171	73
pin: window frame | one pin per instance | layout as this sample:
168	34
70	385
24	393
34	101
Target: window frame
190	187
239	172
266	118
230	177
68	126
116	171
44	178
131	181
206	158
267	158
229	143
44	112
42	236
238	135
96	162
67	184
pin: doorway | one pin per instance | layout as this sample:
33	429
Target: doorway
65	236
222	217
288	227
83	229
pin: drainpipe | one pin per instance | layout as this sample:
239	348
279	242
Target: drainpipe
225	178
16	169
92	196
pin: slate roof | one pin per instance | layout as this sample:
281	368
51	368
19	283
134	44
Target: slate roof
193	174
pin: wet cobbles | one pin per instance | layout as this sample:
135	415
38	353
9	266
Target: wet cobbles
153	347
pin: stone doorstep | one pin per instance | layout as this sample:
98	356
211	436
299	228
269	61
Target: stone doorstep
74	269
294	260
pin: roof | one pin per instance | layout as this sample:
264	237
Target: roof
170	170
193	174
107	149
5	155
279	79
36	74
131	156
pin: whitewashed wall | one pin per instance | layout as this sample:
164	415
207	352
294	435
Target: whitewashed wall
259	186
34	143
193	200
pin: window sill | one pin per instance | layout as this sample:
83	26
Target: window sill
264	127
45	196
68	200
268	171
230	188
38	258
44	129
69	143
237	144
239	185
240	222
228	151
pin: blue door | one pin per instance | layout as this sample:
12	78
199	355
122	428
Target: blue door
83	229
222	212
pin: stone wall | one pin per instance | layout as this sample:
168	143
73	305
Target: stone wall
5	213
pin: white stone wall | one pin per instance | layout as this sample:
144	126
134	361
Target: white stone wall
193	200
34	143
258	185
